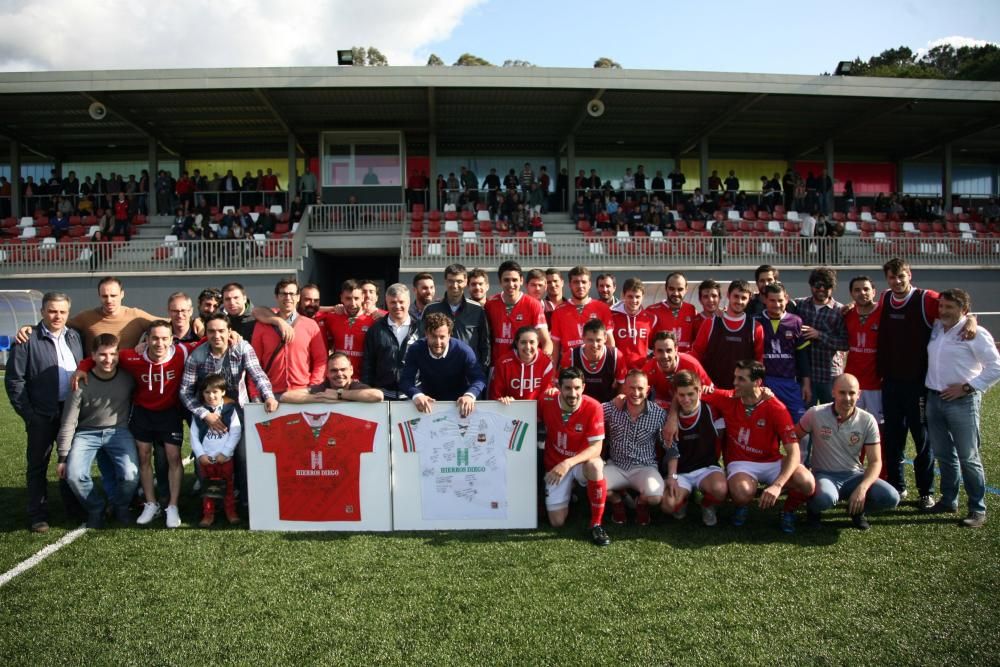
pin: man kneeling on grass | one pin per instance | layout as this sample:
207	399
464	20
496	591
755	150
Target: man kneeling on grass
574	426
840	430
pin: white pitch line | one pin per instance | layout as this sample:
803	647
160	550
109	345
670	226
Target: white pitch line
26	565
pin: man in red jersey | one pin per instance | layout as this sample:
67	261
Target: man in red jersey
156	413
509	310
569	318
862	323
347	330
667	361
574	426
309	305
674	314
729	338
633	326
758	426
709	296
524	373
602	366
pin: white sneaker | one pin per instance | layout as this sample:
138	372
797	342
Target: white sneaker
173	517
709	516
149	512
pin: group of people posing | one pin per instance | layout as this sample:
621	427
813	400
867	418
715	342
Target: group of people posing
648	406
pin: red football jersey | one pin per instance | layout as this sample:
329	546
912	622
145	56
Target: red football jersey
632	334
863	341
682	324
322	320
568	320
527	312
756	436
318	463
512	377
663	385
698	321
157	385
568	437
348	336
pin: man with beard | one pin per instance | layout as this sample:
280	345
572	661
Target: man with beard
674	314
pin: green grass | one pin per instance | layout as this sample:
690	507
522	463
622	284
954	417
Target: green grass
913	590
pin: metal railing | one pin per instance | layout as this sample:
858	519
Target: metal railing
238	198
700	250
333	218
150	256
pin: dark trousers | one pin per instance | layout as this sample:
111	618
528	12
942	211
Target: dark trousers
41	439
903	406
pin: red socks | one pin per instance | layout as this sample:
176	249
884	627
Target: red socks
795	498
597	492
708	500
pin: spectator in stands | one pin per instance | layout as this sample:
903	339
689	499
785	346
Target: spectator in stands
163	191
271	186
122	220
184	189
230	186
296	209
4	197
825	193
59	224
677	182
38	383
848	196
492	186
545	186
527	178
640	180
470	187
581	210
628	184
535	200
142	193
732	185
510	181
788	188
65	206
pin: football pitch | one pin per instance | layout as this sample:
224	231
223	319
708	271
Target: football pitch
915	589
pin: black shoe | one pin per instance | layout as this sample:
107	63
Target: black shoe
599	537
40	527
96	519
936	508
814	519
927	504
860	521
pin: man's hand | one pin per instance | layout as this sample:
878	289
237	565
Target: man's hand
221	458
204	460
287	332
807	391
856	503
23	334
809	333
423	403
618	401
214	422
551	391
466	404
506	400
953	391
969	330
270	404
61	470
558	471
76	380
235	338
769	496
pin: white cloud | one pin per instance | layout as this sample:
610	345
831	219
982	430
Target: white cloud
65	35
956	41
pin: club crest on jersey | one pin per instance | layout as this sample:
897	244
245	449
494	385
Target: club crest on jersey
855	437
331	442
349	509
826	431
519	317
481	437
761	423
578	428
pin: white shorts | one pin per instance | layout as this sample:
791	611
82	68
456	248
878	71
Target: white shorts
644	479
762	472
689	481
557	496
871	401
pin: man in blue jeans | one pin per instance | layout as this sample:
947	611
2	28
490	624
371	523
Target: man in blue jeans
840	431
959	372
95	418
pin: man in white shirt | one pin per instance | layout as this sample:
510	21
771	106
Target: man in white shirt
959	372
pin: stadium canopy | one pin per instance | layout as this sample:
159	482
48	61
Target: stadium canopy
200	113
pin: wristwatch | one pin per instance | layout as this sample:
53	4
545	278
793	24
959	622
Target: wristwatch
968	388
674	476
340	394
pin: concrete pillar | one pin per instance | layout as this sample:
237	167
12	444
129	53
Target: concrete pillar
15	179
946	179
899	176
554	202
292	185
432	155
830	206
571	171
828	156
154	169
703	162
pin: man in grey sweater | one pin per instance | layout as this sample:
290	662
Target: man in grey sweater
95	417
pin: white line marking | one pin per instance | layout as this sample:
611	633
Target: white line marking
26	565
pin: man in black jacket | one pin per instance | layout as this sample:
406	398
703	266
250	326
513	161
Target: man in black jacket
38	381
387	341
469	318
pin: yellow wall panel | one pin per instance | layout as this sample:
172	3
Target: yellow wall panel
241	167
748	171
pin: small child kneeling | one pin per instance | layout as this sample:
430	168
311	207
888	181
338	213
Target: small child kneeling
214	449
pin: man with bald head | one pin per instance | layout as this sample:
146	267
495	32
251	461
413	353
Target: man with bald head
840	431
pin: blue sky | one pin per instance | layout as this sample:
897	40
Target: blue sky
809	38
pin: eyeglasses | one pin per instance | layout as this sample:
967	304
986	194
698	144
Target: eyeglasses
822	286
288	294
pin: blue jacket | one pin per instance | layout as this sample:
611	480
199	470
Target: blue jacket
445	379
32	378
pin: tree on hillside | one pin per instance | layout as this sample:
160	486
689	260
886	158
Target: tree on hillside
435	61
606	63
966	63
469	60
517	63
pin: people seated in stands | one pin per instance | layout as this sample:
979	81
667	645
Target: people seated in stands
296	209
581	210
991	212
59	224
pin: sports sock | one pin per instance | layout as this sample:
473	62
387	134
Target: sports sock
708	500
597	492
794	499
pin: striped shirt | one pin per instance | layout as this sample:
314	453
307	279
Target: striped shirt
826	352
633	443
235	362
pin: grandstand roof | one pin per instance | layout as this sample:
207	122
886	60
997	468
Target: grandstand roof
201	113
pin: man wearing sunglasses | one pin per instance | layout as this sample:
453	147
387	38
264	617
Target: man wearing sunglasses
823	325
